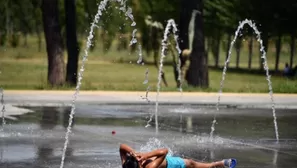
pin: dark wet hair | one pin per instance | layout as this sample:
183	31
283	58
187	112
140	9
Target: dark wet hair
131	162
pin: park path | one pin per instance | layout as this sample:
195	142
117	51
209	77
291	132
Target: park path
47	98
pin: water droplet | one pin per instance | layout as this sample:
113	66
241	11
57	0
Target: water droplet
134	41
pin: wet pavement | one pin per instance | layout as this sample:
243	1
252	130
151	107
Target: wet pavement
36	139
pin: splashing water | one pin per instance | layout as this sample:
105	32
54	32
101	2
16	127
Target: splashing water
140	60
154	143
128	13
253	26
148	87
3	108
146	98
146	80
170	24
179	60
192	29
134	40
101	7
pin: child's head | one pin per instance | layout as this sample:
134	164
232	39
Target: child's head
131	162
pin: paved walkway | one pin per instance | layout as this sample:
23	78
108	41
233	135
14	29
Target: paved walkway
47	98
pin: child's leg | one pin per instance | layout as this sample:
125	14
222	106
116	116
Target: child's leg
231	163
194	164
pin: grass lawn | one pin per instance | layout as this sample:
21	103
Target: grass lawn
26	68
100	75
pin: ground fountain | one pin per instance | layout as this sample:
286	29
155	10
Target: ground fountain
164	47
262	49
170	24
101	8
185	133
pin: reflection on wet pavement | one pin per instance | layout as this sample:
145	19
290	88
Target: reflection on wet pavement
36	139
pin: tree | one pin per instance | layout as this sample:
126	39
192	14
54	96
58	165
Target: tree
197	74
185	18
71	42
37	21
54	42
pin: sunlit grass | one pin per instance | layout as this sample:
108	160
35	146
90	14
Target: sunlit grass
26	68
99	75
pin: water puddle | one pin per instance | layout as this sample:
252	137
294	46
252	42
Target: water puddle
98	130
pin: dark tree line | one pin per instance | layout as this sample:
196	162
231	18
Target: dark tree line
197	73
214	26
71	41
54	42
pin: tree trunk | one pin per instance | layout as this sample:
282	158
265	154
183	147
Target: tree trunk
238	48
71	41
208	46
7	19
3	39
228	45
187	7
54	43
292	48
278	49
217	49
197	74
250	52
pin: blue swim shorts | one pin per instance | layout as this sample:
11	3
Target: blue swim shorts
175	162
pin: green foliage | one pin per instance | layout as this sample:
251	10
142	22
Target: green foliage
25	15
220	17
220	14
81	20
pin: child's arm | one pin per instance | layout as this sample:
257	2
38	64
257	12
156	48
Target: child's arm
154	153
124	149
160	155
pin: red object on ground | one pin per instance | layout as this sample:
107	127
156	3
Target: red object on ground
113	132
